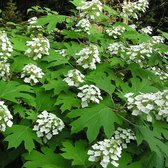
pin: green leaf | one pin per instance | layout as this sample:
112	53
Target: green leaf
57	85
102	81
12	90
93	119
21	133
155	144
110	10
45	159
44	100
77	153
67	101
51	20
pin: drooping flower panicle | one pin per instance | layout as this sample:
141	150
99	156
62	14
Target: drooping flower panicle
89	93
5	46
149	105
89	56
37	48
5	117
48	125
74	78
31	74
4	70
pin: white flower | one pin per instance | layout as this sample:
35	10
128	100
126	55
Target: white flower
140	53
133	9
163	74
106	152
83	26
62	52
116	49
157	39
89	56
37	47
89	93
48	125
149	105
74	78
4	70
115	31
146	30
31	74
32	20
124	136
90	9
5	46
5	117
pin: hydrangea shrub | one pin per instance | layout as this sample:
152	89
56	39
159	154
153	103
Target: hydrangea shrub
87	90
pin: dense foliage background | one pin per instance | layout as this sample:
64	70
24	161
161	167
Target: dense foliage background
99	81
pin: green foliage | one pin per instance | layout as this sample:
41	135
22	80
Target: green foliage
76	152
20	133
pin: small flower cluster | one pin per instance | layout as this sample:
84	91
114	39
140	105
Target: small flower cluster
90	9
140	53
124	136
106	151
149	104
83	26
48	125
115	31
89	56
133	9
5	46
157	39
32	20
74	78
163	75
5	117
89	93
116	49
4	70
37	47
62	52
31	74
109	151
146	30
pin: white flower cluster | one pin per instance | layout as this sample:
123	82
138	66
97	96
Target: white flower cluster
74	78
5	46
149	105
146	30
133	26
115	31
62	52
90	9
4	70
106	151
133	9
37	47
5	117
48	125
139	53
109	151
124	136
89	56
89	93
83	26
32	20
157	39
31	74
163	75
116	49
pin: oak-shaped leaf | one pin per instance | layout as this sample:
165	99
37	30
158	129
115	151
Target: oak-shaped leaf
94	118
21	133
